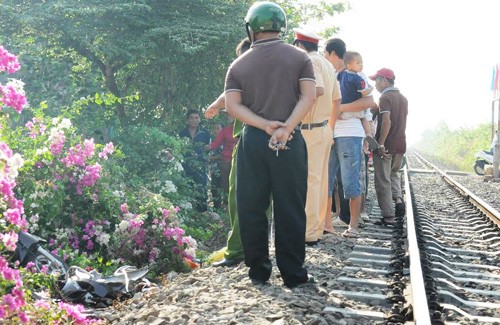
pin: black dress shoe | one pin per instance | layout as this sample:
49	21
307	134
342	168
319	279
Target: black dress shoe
257	282
228	262
310	280
312	243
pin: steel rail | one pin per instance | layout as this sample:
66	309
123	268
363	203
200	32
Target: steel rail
417	286
484	207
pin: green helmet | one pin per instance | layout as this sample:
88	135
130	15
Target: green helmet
265	16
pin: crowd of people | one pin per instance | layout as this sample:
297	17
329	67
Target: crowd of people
300	132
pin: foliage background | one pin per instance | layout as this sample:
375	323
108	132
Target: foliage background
455	148
127	71
173	53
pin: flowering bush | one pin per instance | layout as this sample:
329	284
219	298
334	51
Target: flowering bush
156	158
12	306
59	184
16	304
11	94
73	189
153	238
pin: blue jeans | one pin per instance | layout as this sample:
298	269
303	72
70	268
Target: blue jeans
346	155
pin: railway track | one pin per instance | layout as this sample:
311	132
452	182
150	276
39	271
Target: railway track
439	265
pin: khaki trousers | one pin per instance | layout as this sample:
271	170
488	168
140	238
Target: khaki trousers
387	182
319	143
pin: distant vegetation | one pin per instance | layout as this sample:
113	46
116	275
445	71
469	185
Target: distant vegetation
454	148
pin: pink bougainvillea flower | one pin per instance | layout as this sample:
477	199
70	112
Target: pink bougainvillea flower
124	208
108	149
42	304
9	240
8	61
13	98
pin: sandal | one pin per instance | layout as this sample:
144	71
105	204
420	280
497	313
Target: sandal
384	221
350	233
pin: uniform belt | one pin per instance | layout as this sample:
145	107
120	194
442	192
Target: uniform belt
314	125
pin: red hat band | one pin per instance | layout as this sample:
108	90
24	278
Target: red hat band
300	37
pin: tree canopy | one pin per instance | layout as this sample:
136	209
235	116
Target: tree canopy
173	53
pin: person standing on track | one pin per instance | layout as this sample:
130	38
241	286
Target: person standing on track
270	89
391	137
318	135
346	153
233	254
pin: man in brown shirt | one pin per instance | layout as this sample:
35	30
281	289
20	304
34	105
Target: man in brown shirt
391	136
270	89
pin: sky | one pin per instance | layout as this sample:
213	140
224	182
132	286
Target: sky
442	53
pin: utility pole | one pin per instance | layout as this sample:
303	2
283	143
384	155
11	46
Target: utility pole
496	156
495	87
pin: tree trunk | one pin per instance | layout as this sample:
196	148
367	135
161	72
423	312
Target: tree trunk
109	75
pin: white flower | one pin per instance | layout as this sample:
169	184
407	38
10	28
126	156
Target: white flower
62	234
16	160
155	251
40	152
103	239
18	85
186	205
169	187
178	166
14	163
191	252
34	218
55	135
123	225
129	215
190	241
65	123
56	120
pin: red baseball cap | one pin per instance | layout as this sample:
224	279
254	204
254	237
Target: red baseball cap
384	72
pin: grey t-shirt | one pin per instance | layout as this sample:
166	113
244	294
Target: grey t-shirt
268	77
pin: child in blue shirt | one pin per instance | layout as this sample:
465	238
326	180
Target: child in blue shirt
353	83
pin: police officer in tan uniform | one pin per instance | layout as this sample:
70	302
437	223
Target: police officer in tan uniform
318	134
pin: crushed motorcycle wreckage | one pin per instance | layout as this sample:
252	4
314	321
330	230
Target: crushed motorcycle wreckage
77	285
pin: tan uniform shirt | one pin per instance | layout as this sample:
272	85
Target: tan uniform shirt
326	78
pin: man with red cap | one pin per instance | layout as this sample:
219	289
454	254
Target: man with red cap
318	135
391	128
